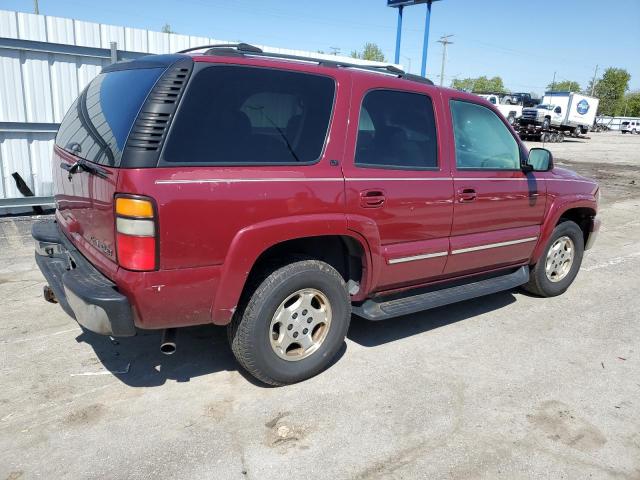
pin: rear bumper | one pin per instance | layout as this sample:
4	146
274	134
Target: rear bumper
82	291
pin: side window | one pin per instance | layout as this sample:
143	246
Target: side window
396	130
482	139
246	115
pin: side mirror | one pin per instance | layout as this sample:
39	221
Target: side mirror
539	160
558	110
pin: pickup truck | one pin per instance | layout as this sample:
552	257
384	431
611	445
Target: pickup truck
278	195
511	111
521	98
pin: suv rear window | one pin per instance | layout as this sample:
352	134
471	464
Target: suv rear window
247	115
97	125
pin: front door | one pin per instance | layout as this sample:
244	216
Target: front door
498	208
398	183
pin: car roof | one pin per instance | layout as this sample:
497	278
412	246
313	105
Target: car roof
246	51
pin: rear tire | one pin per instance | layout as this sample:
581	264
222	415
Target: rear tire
268	320
559	263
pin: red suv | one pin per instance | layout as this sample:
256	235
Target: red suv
278	195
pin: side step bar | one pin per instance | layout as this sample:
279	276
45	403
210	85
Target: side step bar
378	309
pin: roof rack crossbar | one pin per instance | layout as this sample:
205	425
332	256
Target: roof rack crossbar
241	47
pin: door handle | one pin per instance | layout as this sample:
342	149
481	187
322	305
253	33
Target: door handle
372	198
467	195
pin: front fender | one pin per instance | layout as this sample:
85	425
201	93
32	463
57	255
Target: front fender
252	241
557	208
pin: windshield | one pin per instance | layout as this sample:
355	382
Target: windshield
545	106
625	123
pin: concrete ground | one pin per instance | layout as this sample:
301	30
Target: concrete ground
503	387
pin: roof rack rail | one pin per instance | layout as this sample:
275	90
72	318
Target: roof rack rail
245	48
240	47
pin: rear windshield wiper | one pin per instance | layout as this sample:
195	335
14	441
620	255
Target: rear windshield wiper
83	166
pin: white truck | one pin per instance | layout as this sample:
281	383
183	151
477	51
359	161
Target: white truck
566	112
511	112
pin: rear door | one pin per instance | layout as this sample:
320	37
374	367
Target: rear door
92	137
398	183
498	208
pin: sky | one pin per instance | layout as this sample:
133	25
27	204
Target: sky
524	42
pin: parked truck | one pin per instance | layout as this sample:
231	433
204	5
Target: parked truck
521	98
511	111
561	112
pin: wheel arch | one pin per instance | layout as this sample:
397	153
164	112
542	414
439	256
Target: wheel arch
273	243
579	210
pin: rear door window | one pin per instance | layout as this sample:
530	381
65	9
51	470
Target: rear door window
246	115
396	130
97	125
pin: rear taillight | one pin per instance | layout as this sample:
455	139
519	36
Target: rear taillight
136	235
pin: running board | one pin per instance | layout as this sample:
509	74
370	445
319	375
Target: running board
378	309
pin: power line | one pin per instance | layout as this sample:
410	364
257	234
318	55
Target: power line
444	40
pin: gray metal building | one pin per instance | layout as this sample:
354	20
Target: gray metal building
45	62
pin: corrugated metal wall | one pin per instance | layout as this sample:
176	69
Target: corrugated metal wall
44	64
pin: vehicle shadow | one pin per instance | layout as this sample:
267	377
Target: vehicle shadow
202	350
137	361
372	334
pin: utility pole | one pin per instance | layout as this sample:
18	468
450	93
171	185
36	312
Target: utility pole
553	82
593	82
408	63
36	10
444	40
335	50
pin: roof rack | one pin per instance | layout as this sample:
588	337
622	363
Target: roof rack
240	47
247	49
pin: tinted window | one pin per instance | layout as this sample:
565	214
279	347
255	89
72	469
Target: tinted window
482	139
245	115
396	130
97	125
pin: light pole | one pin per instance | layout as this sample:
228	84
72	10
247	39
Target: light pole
400	4
444	40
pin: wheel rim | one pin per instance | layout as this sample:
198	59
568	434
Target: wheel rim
559	259
300	324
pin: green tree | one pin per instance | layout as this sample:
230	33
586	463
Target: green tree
610	89
166	28
371	52
564	86
631	104
480	85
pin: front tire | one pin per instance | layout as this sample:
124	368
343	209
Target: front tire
293	324
559	263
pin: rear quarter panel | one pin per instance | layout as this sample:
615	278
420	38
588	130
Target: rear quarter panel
224	217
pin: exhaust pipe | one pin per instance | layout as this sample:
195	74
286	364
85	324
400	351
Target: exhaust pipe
168	342
49	296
